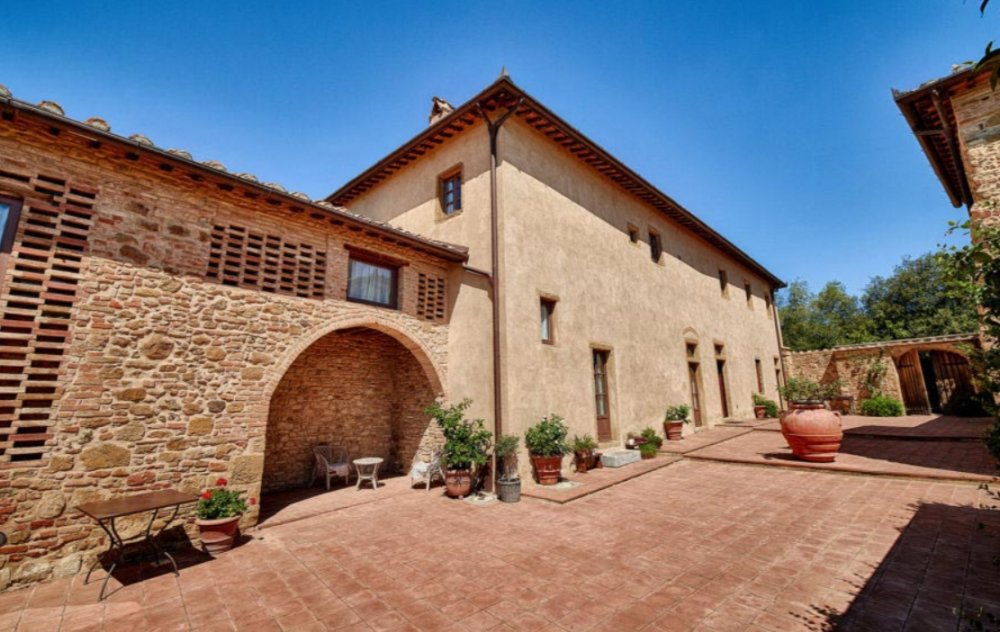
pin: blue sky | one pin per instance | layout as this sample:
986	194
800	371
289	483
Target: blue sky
773	121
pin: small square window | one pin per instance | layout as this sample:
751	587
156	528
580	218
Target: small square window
548	309
749	291
692	349
655	247
372	283
724	282
633	234
451	193
720	350
767	302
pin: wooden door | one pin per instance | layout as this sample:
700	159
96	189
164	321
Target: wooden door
695	394
602	403
720	366
952	376
911	381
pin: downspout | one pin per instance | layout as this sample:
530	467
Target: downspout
781	346
494	128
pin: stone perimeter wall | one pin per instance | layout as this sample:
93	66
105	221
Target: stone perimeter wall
851	366
167	376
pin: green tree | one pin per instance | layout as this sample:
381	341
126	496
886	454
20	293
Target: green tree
820	321
795	310
920	298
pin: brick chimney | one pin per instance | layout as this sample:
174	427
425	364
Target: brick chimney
439	109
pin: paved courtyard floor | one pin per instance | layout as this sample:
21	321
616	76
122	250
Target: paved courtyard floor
693	546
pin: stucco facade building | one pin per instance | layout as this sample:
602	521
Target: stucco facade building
164	322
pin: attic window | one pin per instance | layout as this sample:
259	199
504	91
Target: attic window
451	193
633	234
655	247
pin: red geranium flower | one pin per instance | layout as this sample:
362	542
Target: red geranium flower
222	482
207	495
253	501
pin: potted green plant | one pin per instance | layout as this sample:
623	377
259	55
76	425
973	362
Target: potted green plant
764	408
546	443
674	420
585	453
650	444
509	483
467	445
812	432
218	517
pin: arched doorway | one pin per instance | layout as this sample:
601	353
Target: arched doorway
358	389
933	380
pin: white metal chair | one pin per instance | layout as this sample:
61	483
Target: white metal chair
328	465
422	471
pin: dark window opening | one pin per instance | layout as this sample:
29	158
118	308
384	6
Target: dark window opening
655	248
372	283
451	193
548	309
724	282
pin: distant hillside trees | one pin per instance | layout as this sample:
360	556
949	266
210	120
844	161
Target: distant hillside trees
920	298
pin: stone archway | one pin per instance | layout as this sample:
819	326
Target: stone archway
360	389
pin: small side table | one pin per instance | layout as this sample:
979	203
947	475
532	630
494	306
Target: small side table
368	471
105	512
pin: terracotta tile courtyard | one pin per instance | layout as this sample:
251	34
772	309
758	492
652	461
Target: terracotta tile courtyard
694	545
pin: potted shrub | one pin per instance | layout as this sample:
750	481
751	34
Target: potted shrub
632	442
467	445
509	483
585	453
674	420
650	444
546	443
763	408
218	517
812	432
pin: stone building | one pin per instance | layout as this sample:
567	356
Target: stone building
956	120
926	374
164	322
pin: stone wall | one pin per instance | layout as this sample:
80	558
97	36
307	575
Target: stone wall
357	390
852	367
142	370
977	114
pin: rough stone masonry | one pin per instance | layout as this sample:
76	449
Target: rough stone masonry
151	310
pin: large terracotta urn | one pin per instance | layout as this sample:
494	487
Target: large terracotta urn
812	432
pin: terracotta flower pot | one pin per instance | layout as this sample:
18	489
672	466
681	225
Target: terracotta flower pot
760	412
583	460
674	430
458	483
547	469
813	433
217	536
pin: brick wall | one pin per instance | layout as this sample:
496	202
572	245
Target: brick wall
162	376
358	390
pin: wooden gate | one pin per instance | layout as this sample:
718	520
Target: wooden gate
952	375
911	381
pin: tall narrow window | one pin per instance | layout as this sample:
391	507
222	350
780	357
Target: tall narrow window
451	193
760	376
548	321
723	282
749	291
372	283
767	301
601	402
655	247
10	213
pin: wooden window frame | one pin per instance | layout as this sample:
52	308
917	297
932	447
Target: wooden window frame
9	234
655	253
542	302
759	368
455	173
379	262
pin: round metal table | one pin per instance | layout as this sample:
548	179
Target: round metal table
368	470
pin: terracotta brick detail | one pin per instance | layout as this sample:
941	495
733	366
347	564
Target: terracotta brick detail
251	259
432	294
